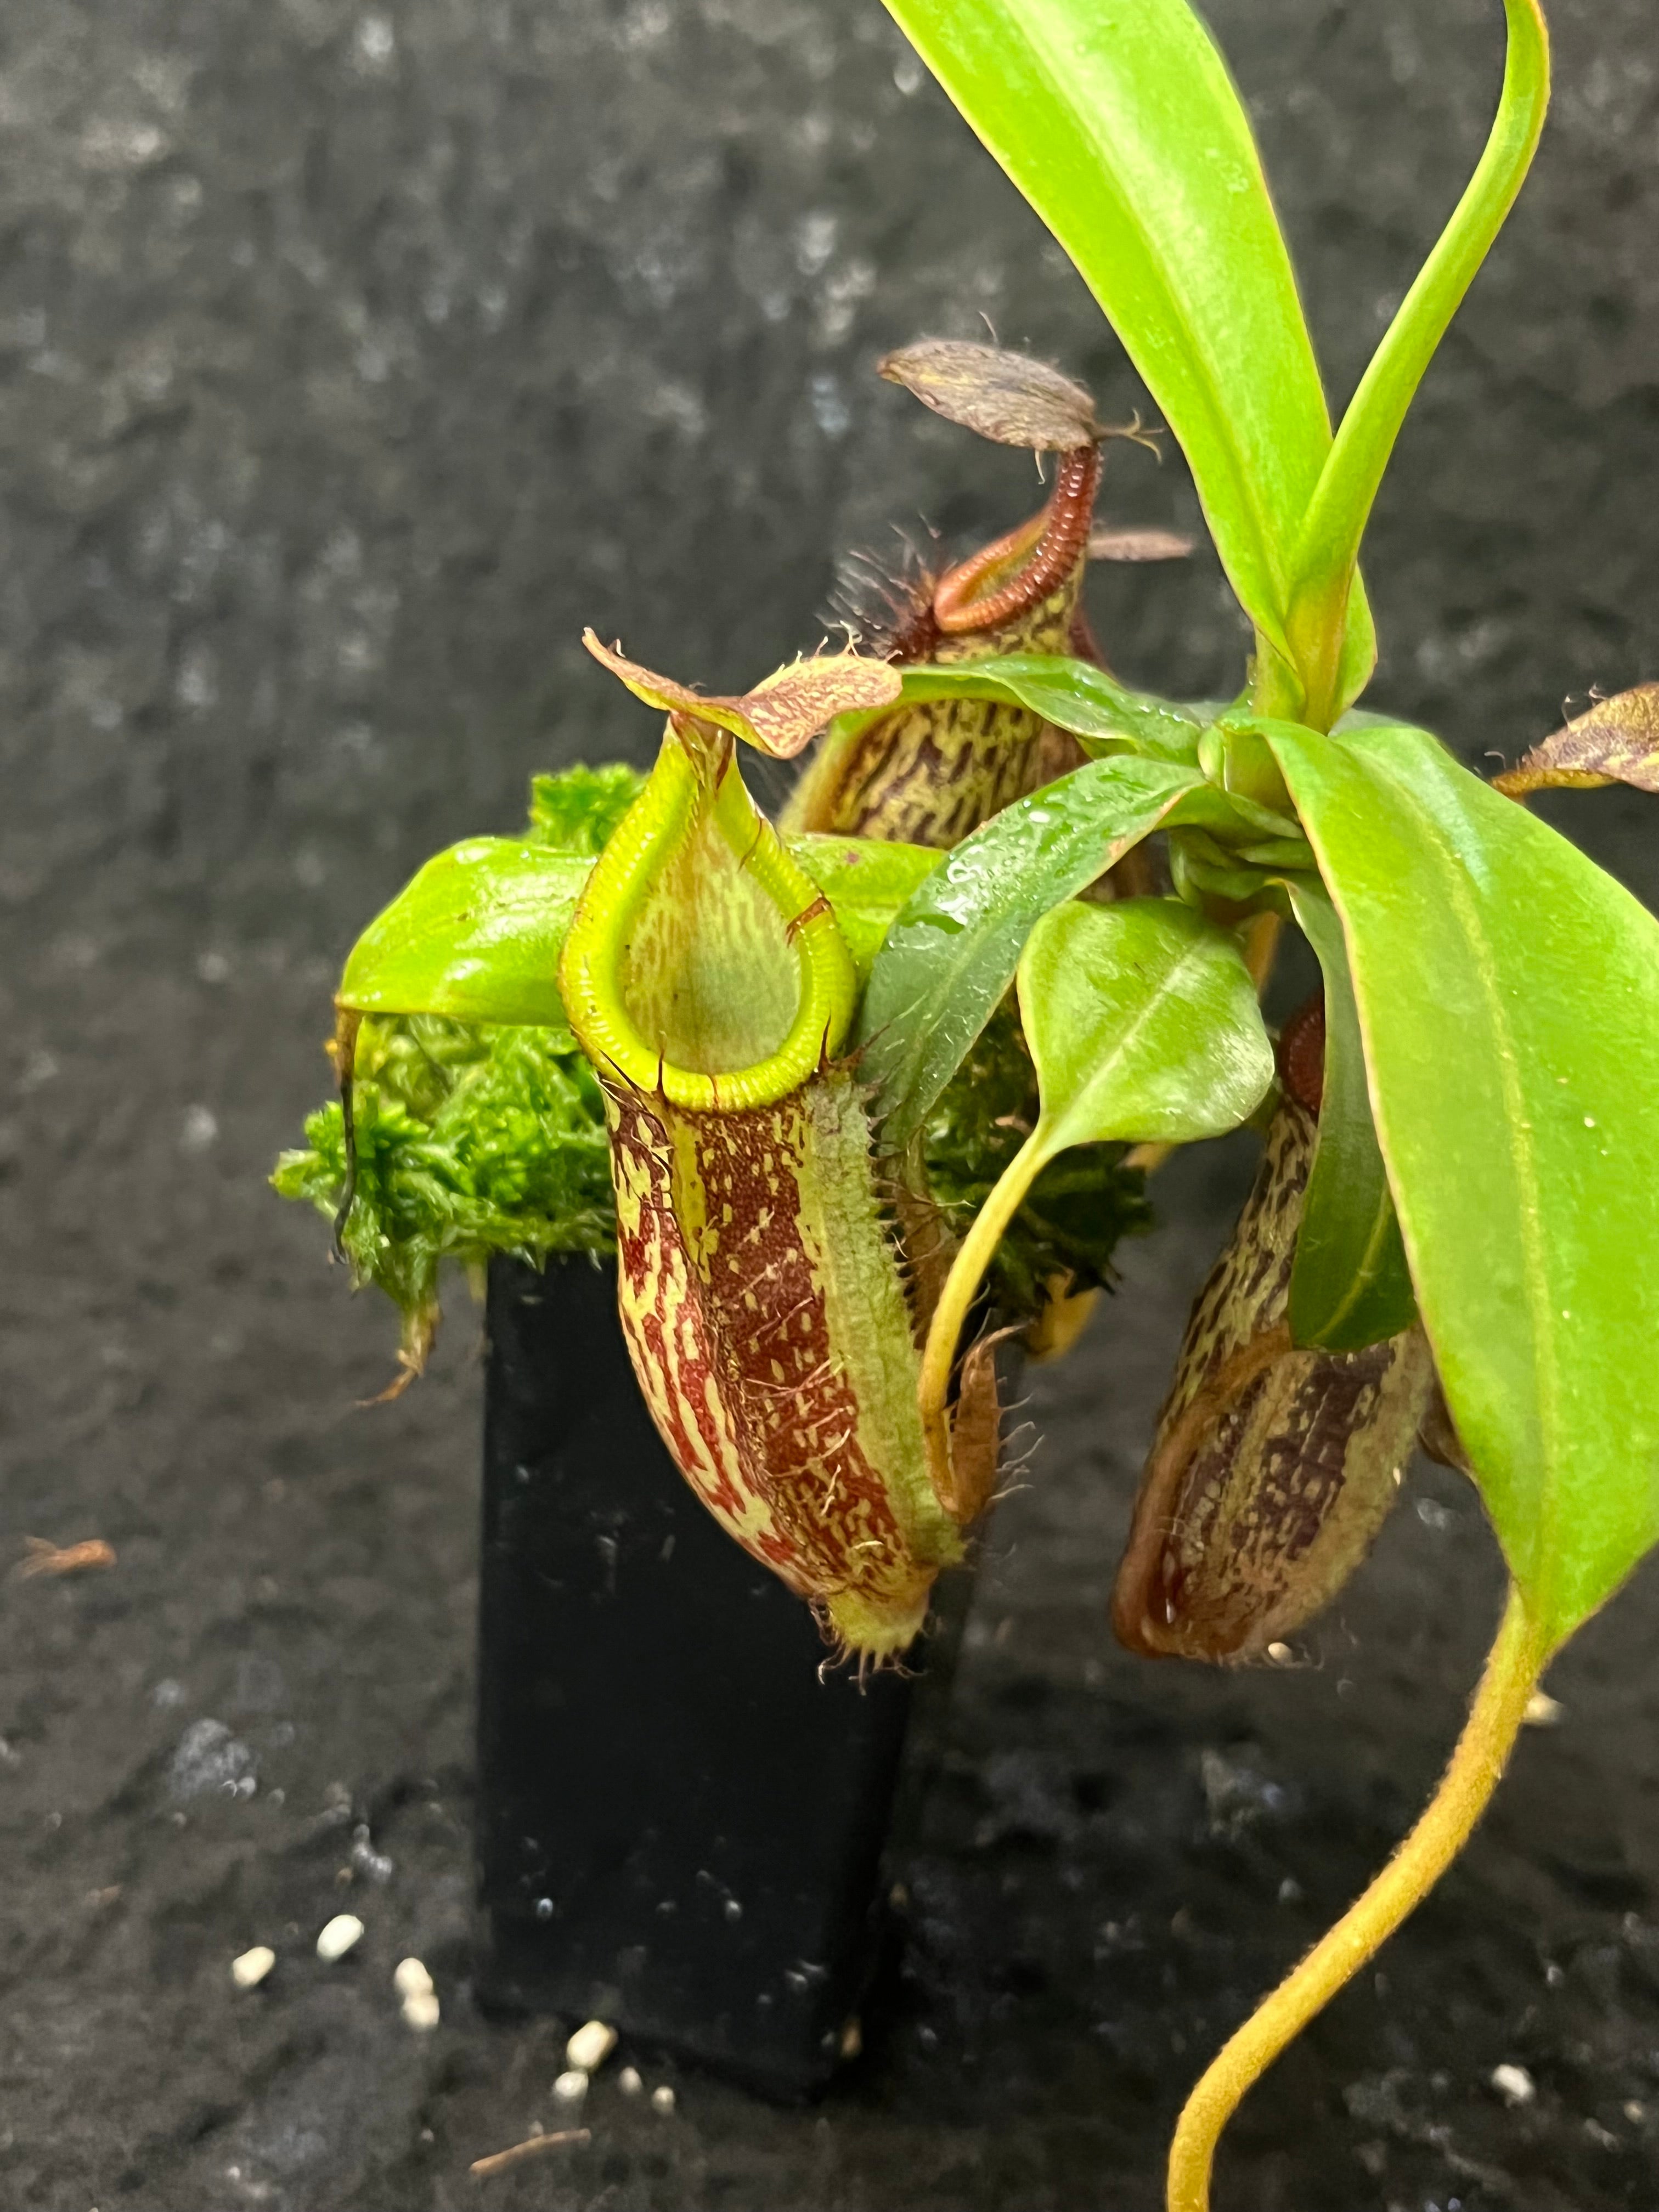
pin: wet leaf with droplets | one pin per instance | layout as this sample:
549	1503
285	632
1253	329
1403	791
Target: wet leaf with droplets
953	950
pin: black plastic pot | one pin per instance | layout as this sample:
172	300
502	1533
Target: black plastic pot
681	1820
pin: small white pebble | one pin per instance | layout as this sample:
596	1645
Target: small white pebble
251	1969
1280	1654
338	1936
421	2010
662	2099
1513	2084
410	1978
590	2046
1542	1711
1635	2112
629	2082
571	2087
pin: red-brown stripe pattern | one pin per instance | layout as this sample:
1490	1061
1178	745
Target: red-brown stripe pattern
1272	1469
731	1321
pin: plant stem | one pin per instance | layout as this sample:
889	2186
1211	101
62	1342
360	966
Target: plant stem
1276	691
1512	1669
974	1256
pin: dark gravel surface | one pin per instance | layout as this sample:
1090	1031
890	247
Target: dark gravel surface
351	360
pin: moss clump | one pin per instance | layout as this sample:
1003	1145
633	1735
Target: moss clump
471	1141
577	811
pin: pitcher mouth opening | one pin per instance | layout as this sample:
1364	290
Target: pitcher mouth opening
658	1036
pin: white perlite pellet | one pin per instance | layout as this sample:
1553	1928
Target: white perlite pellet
1513	2084
572	2086
590	2046
410	1978
629	2082
338	1936
421	2010
662	2099
251	1969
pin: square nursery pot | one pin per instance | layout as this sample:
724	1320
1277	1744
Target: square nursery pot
681	1821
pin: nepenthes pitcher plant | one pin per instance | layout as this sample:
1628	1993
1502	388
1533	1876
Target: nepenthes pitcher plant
853	1096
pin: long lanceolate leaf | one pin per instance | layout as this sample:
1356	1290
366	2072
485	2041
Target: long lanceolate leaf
1341	504
1508	993
1122	128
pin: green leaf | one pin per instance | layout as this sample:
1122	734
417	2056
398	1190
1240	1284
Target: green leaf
1341	503
952	952
1143	1022
1121	127
1350	1285
475	936
1508	991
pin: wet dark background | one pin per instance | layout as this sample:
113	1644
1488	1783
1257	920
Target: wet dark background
353	359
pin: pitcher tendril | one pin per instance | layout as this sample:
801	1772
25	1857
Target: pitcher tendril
1475	1770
